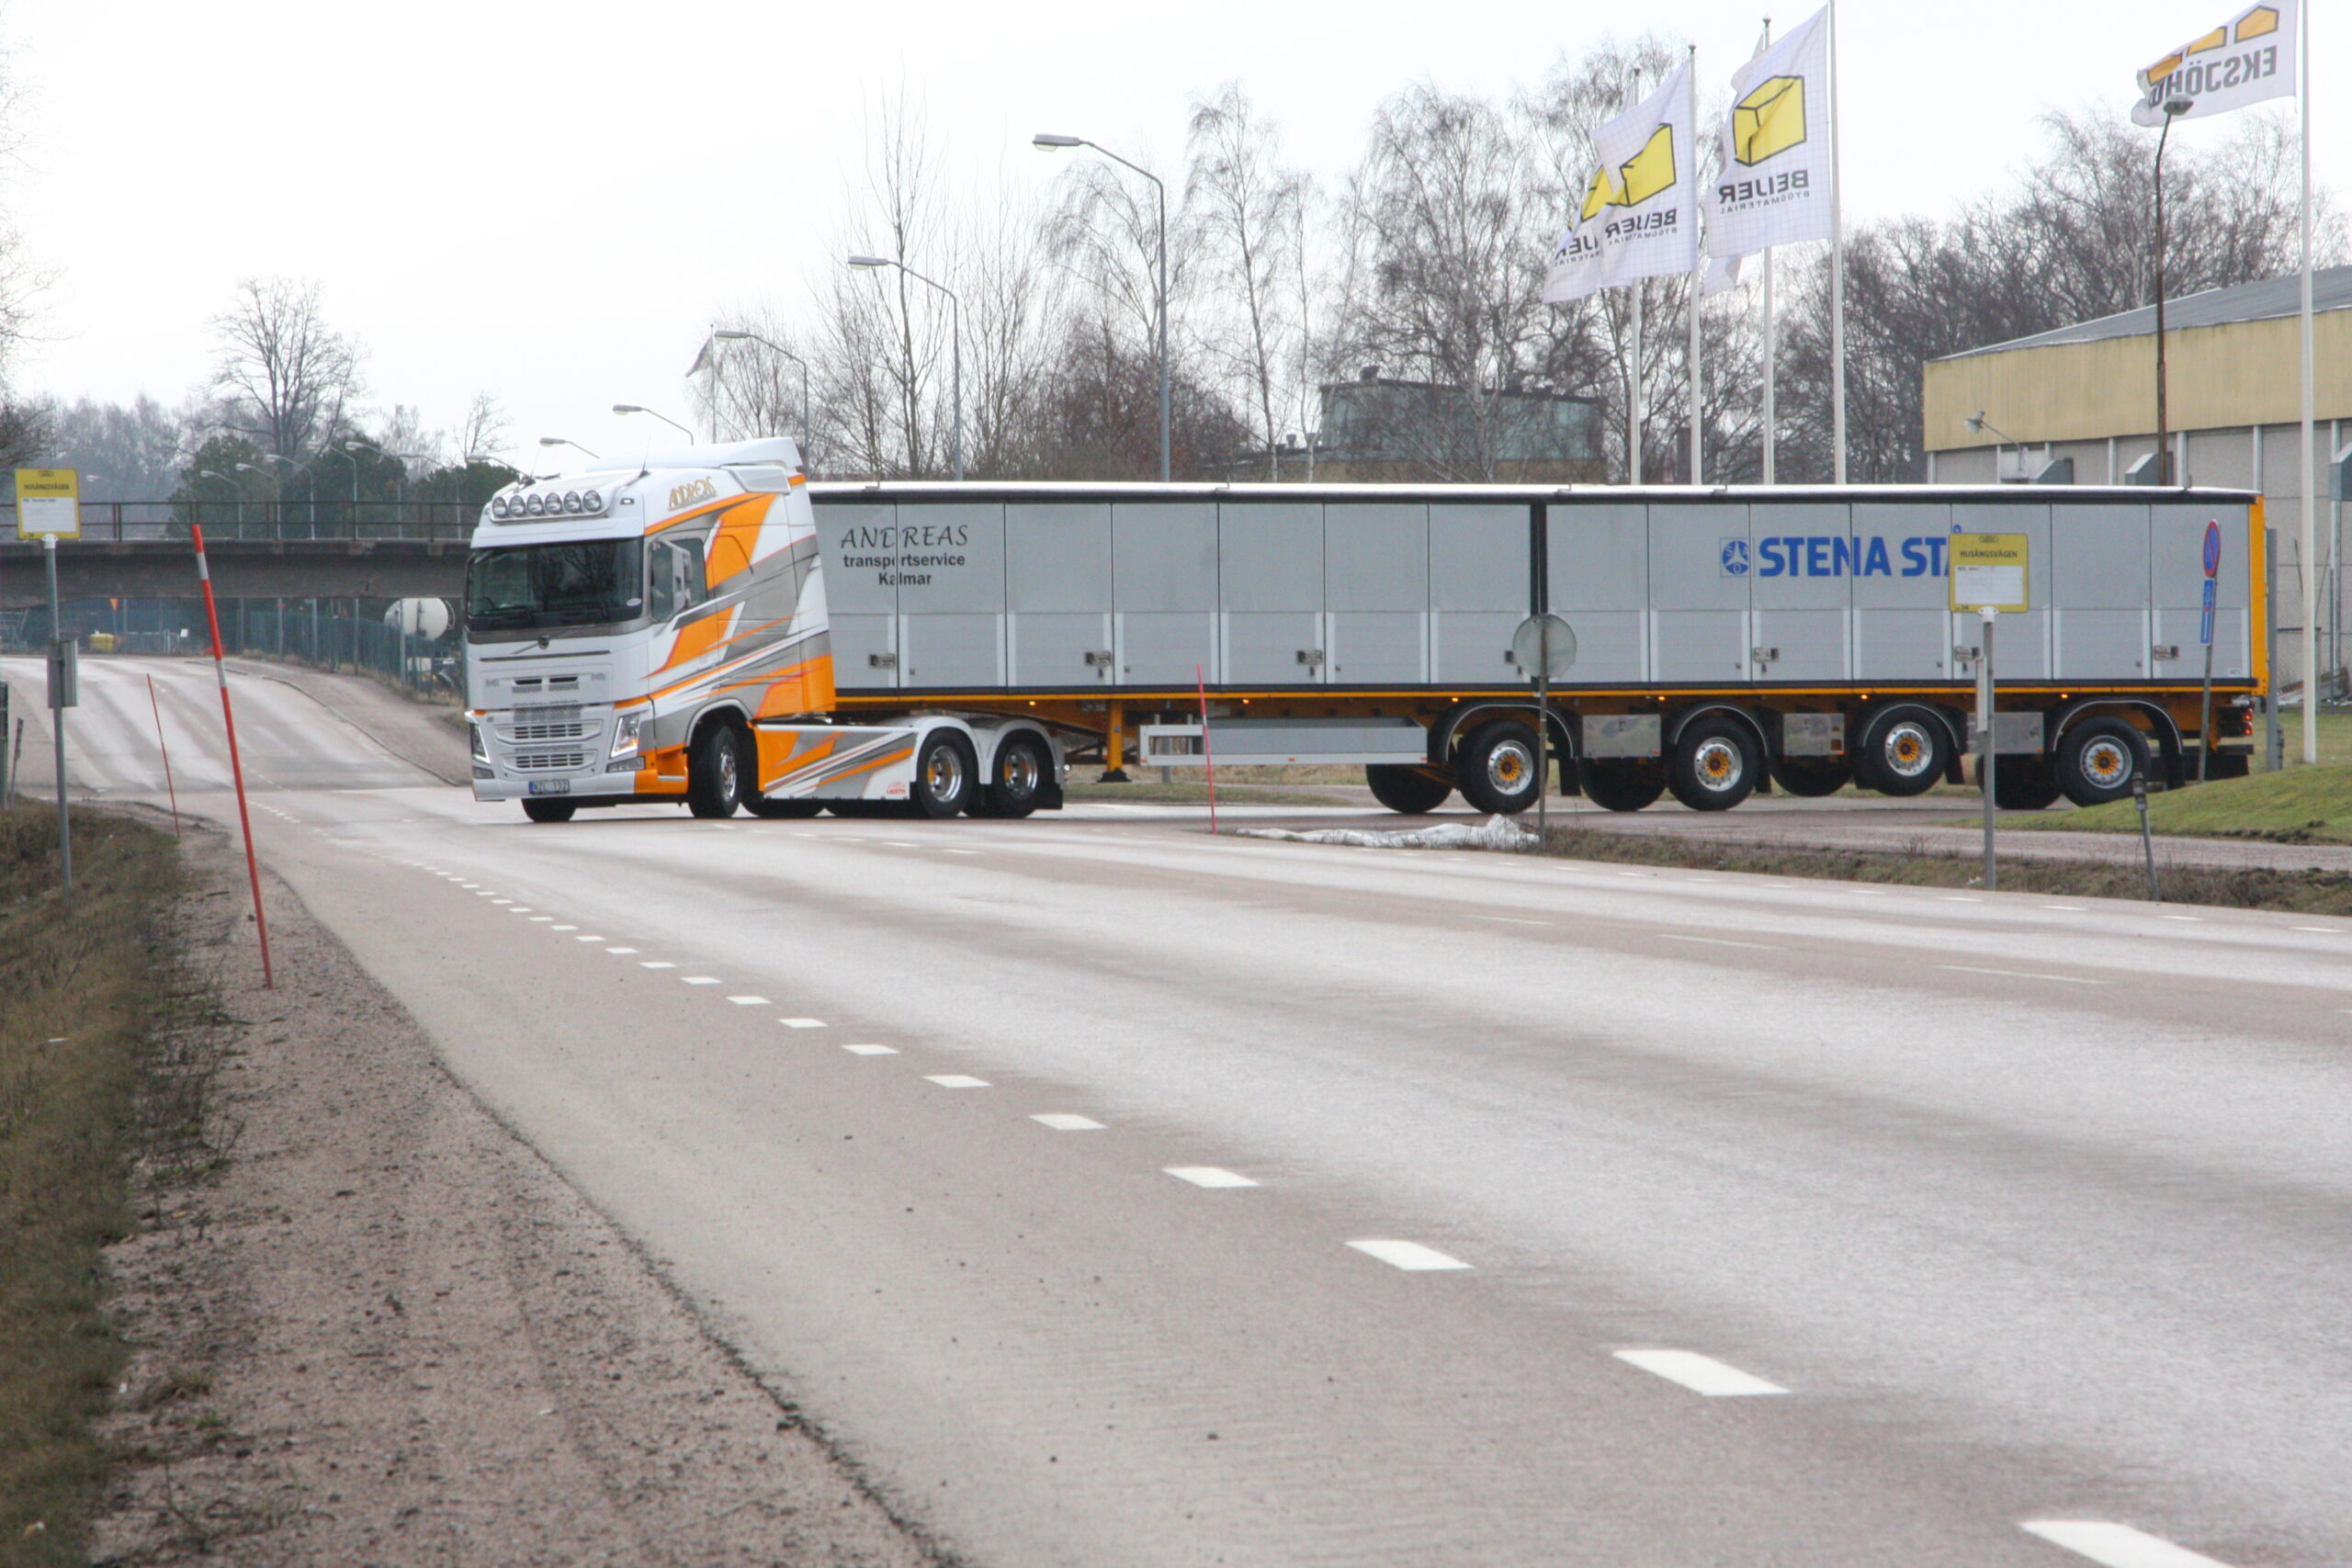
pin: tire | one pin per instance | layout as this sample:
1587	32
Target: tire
862	808
1401	787
1022	771
763	805
2096	761
2024	783
543	810
715	772
1813	777
1623	784
1498	770
1714	764
945	770
1904	752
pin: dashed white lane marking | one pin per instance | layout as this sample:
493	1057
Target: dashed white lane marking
956	1080
541	920
587	939
1960	899
871	1050
1507	920
2193	919
1065	1122
2070	908
749	1002
2324	931
963	852
2117	1546
1700	1374
618	952
699	980
1719	941
567	928
1409	1256
657	964
2020	974
802	1022
1208	1176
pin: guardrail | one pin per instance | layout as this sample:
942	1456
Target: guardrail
269	522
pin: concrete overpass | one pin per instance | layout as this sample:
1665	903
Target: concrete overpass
132	551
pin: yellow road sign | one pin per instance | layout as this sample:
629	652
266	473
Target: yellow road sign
1989	572
49	503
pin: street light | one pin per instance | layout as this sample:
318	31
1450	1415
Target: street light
1977	422
561	441
636	408
955	337
2174	109
731	335
1047	141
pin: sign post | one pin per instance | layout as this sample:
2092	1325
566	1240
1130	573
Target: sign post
1545	647
1989	575
2205	636
48	508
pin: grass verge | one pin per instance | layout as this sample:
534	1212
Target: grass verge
2302	892
2301	806
79	1001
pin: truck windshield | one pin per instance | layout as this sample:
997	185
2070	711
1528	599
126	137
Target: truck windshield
591	582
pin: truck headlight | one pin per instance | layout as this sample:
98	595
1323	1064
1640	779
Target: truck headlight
625	734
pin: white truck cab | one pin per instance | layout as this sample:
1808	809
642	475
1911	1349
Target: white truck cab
656	630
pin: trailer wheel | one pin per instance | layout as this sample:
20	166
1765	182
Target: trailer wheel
1498	769
1813	777
1714	765
1904	750
1402	786
2097	760
1622	783
2024	783
943	770
1022	770
715	772
540	810
772	807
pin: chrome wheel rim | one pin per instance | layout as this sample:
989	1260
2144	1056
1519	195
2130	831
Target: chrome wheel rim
2106	764
1908	750
942	772
1718	764
1510	766
1019	772
730	778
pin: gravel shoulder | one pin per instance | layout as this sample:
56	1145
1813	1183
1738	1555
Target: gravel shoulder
381	1329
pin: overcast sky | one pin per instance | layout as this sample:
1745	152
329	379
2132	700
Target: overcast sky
548	201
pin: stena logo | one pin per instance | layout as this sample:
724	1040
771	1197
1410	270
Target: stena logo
1734	558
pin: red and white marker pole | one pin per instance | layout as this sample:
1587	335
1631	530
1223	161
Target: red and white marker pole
236	766
167	750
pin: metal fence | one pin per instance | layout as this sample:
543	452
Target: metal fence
331	639
120	522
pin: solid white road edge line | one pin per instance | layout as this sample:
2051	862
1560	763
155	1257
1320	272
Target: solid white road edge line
1506	919
1208	1176
1700	1374
1719	941
2020	974
1409	1256
2117	1546
1066	1122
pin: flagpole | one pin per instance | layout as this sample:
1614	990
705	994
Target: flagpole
1771	332
1837	263
1697	387
1634	371
2310	476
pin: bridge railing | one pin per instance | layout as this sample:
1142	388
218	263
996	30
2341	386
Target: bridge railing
131	522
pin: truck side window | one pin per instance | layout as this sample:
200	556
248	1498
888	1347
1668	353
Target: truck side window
674	577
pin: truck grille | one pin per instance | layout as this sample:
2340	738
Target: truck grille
575	731
548	762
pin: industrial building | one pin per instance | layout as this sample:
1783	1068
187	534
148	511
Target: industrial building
2078	406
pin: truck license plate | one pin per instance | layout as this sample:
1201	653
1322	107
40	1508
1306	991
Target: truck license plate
551	786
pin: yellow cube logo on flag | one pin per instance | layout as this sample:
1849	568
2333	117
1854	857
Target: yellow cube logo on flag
1770	120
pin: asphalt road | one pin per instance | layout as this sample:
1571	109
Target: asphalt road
1116	1194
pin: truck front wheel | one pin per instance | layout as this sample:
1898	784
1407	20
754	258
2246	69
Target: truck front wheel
539	809
715	772
943	770
1400	787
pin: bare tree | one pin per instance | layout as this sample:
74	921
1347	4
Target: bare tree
485	428
284	376
1248	208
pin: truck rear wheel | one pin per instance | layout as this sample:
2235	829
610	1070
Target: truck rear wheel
1498	769
1904	750
2024	783
1714	765
715	772
1811	777
1401	787
542	810
2096	761
1022	770
1622	783
943	770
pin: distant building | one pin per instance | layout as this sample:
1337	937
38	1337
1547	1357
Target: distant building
1379	431
2078	406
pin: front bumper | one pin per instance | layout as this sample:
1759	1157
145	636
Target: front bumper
563	751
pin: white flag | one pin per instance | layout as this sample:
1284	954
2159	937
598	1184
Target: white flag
1640	216
2249	59
1775	185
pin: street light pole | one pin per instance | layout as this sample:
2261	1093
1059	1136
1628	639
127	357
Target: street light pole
1978	422
734	336
639	408
2173	109
1048	141
954	333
